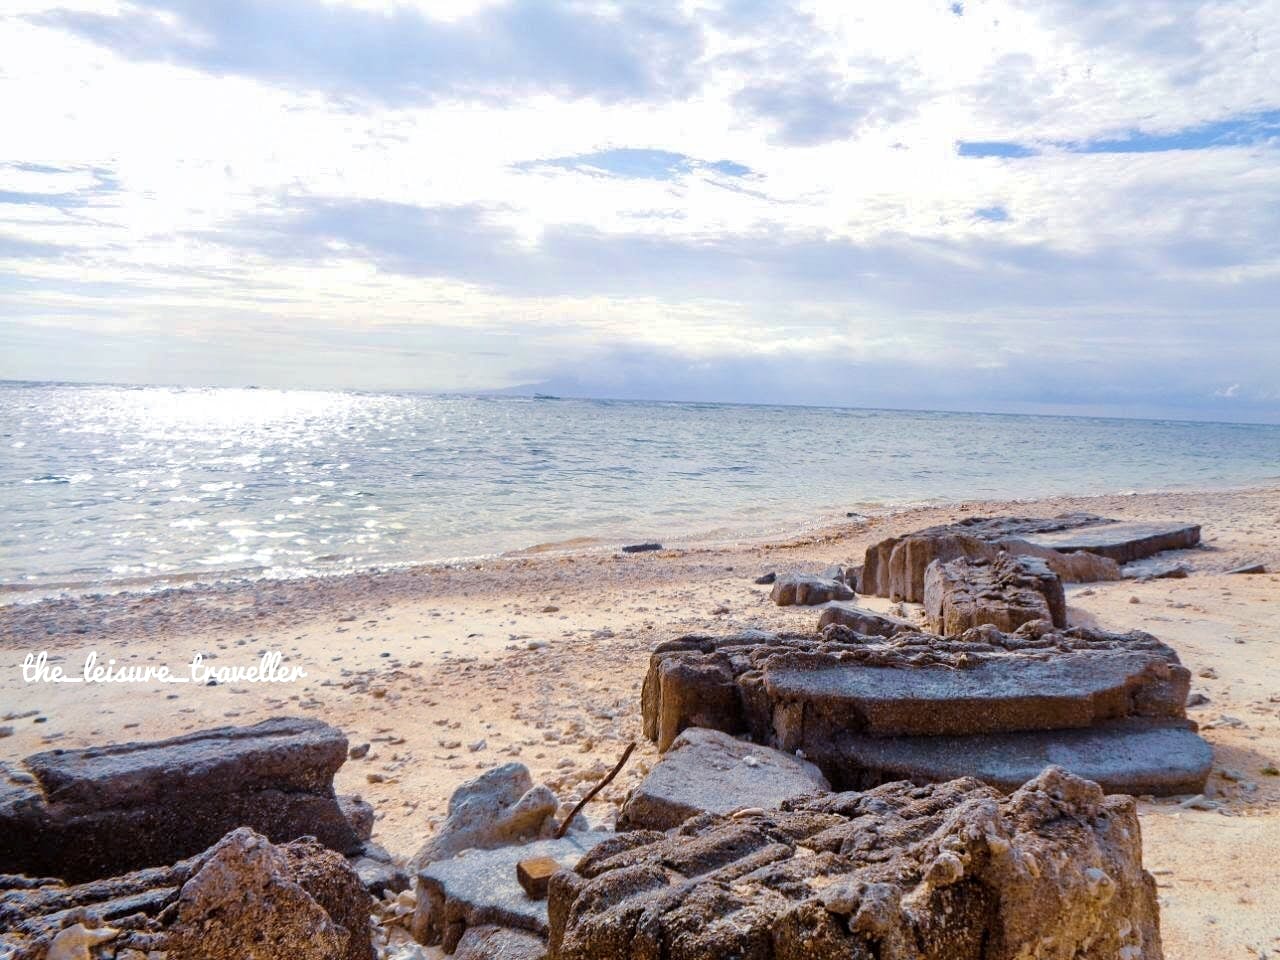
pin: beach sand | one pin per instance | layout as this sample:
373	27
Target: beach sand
447	671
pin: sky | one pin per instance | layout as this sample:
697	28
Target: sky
1014	206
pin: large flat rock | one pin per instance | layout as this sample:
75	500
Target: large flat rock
820	694
706	771
952	871
479	888
103	811
861	620
1160	759
1121	542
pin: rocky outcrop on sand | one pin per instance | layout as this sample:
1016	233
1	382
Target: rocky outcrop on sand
707	771
826	696
1079	548
104	811
245	897
861	620
1005	592
948	871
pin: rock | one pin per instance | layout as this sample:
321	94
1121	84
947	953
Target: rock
641	547
1121	542
244	897
949	871
1159	758
103	811
827	695
861	620
499	943
378	870
479	888
359	814
706	771
895	567
6	731
766	579
807	590
501	806
1197	700
1156	570
359	752
1006	593
1250	568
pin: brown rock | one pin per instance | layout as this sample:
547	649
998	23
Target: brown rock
1005	592
244	897
534	873
944	872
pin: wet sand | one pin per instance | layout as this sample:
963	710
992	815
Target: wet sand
447	671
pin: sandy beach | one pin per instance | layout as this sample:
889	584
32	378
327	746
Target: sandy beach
538	656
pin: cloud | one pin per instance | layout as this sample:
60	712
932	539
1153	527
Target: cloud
402	56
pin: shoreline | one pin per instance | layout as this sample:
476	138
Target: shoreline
827	523
538	659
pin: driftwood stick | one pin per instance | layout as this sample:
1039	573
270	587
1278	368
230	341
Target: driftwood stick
626	754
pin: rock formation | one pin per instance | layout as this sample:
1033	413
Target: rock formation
244	897
860	620
103	811
1077	547
952	871
828	696
1005	592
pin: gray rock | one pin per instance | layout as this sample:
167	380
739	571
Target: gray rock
860	620
766	579
706	771
1121	542
1156	758
825	695
805	590
479	888
379	871
501	806
641	547
1249	568
103	811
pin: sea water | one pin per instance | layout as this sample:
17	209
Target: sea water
105	487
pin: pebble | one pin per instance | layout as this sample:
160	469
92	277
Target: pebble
6	732
358	752
477	745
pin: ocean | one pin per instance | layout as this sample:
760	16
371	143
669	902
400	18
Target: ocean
117	487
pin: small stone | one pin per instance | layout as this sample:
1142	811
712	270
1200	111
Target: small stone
1134	600
6	732
767	578
641	547
375	777
1209	673
1249	568
1197	699
534	875
550	608
358	752
477	745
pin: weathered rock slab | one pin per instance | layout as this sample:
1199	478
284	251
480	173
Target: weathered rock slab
103	811
819	694
898	873
806	590
244	897
706	771
1121	542
479	888
500	943
1135	757
1005	592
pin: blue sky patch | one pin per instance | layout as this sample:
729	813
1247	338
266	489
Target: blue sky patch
993	148
996	214
634	163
